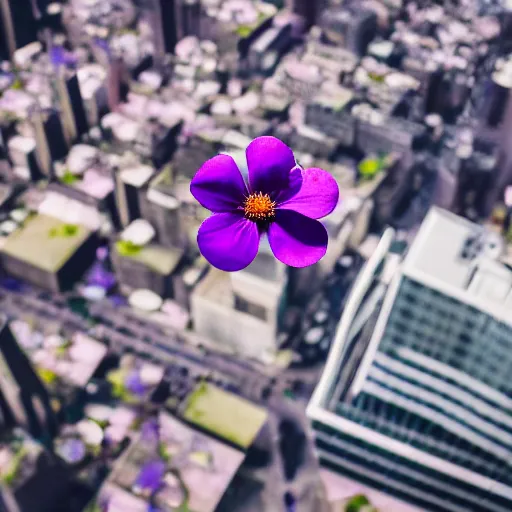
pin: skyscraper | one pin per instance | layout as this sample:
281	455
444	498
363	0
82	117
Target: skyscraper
18	26
24	399
115	73
49	137
168	23
415	398
498	98
188	18
163	16
4	48
308	9
44	156
74	119
252	301
159	206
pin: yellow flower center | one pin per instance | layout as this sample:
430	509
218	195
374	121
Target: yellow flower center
259	207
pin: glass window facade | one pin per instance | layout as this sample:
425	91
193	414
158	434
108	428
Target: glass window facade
451	332
440	383
404	478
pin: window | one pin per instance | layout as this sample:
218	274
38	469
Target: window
411	299
460	351
407	314
465	338
250	308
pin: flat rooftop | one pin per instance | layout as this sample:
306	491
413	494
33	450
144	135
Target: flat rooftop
461	259
193	470
45	242
437	248
159	259
226	415
216	286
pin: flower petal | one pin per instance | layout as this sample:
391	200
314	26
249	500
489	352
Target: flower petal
269	161
317	197
218	185
294	186
296	240
228	241
150	475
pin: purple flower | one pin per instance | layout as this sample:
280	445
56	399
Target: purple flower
290	502
118	300
281	200
60	57
101	277
150	430
103	45
12	284
150	476
102	253
134	384
104	503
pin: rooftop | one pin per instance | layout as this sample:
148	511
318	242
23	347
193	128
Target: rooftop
190	470
336	98
462	260
161	260
224	414
216	286
134	380
45	242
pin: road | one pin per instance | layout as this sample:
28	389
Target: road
188	360
121	329
157	346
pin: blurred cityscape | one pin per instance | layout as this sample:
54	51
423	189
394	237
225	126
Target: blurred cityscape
134	377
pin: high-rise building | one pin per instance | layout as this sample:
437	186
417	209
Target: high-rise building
18	26
49	136
40	479
130	183
22	152
243	311
24	399
496	116
115	74
331	114
160	207
349	26
416	398
74	119
4	48
163	16
309	10
44	157
188	18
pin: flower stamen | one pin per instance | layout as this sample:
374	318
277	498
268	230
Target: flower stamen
259	207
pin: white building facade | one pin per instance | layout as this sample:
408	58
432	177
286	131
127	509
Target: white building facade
418	403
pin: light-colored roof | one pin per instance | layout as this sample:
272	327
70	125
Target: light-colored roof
161	260
137	176
216	287
22	144
224	414
436	259
40	243
335	99
436	250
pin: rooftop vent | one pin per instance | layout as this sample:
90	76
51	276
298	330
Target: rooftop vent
482	244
